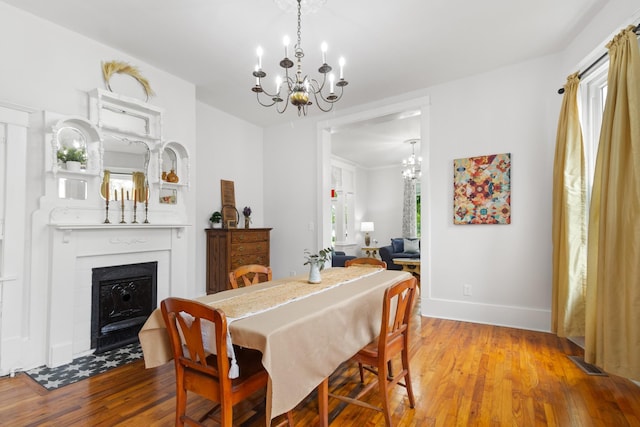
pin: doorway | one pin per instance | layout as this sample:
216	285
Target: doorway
372	142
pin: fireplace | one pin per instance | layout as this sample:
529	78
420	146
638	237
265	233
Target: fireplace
123	297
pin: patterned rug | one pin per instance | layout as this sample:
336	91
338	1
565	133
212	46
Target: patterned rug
85	367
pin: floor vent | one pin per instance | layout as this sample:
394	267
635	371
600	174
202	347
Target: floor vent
588	368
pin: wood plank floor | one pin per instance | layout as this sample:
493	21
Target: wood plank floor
464	374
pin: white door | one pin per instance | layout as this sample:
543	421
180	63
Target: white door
13	154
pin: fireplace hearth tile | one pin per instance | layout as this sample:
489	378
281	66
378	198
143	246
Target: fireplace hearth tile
85	367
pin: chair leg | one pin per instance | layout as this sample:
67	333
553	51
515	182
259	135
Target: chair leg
407	378
226	414
384	392
181	405
290	418
361	369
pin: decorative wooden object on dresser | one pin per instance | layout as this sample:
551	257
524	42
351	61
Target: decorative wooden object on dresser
230	248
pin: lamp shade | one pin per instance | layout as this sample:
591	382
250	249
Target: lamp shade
366	226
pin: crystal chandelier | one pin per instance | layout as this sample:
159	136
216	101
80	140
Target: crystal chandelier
412	167
298	88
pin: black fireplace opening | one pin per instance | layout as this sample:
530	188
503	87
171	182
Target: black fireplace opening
123	297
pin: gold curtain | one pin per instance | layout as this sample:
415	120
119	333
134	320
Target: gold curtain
104	187
139	186
613	274
569	228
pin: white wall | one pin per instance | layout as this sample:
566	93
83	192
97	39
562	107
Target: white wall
510	110
290	193
384	203
229	149
46	67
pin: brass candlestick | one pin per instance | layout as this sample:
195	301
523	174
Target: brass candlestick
122	221
146	211
106	220
135	208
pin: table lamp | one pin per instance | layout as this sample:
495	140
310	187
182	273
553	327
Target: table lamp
366	227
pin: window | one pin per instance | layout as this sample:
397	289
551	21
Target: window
593	94
342	204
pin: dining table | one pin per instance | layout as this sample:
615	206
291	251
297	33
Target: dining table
304	331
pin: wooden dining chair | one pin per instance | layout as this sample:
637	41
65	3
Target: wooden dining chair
365	261
204	373
251	274
393	340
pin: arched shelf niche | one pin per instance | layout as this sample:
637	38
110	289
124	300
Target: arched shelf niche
174	156
75	139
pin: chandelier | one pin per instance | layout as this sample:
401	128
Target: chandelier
412	166
298	88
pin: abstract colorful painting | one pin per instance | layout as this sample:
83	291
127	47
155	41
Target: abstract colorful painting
482	190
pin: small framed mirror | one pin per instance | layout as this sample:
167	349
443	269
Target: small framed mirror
69	188
72	148
122	155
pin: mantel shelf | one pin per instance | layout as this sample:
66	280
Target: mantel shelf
68	230
116	226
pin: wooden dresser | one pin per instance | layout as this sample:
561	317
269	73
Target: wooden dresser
230	248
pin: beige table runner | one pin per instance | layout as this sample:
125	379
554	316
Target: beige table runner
289	290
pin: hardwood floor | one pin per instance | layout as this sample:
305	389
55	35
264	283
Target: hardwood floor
463	374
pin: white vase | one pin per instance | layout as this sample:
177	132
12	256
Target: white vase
73	166
314	271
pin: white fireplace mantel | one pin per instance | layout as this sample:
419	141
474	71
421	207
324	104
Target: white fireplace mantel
78	248
67	229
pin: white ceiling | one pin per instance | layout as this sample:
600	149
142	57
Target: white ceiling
377	143
391	47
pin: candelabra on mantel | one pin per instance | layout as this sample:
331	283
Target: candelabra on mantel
299	88
146	206
135	208
122	221
106	208
106	205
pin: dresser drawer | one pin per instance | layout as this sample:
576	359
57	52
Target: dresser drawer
240	260
248	248
249	236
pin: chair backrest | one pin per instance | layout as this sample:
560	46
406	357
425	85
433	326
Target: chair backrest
251	274
184	321
397	305
365	261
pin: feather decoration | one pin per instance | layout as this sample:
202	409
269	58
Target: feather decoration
119	67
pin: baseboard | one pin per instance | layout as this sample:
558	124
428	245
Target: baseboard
490	314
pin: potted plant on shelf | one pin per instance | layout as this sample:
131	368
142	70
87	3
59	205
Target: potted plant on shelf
216	219
73	158
316	263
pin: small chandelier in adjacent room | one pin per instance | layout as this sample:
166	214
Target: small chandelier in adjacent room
412	167
298	88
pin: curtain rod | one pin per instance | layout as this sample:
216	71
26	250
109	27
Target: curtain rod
596	62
